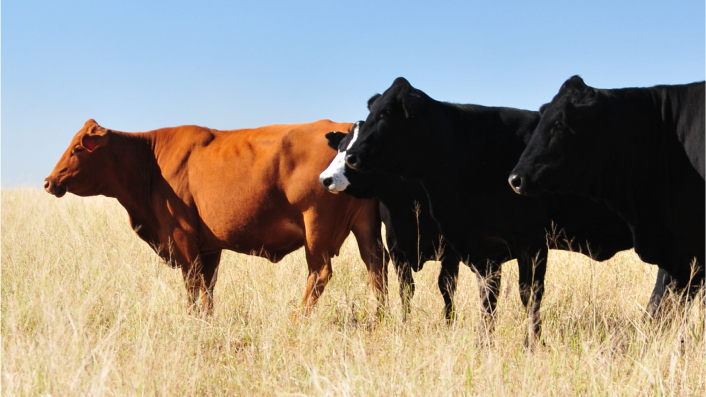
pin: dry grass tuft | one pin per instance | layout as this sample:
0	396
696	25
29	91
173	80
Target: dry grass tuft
89	309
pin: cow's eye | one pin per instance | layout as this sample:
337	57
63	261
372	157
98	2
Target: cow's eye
557	128
77	149
387	112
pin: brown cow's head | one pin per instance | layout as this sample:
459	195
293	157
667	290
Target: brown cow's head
80	169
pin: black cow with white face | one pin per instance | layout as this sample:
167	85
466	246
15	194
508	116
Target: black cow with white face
462	155
412	235
639	150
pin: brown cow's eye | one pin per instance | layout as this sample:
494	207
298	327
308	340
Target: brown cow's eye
75	150
559	125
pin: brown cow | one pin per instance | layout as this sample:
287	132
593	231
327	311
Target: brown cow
191	192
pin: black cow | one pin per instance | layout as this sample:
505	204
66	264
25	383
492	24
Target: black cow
462	155
412	235
639	150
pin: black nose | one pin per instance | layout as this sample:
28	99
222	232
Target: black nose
351	160
516	183
327	182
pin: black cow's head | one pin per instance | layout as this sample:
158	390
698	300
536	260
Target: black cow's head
338	177
334	177
564	145
390	138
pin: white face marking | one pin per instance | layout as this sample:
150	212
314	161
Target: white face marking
335	171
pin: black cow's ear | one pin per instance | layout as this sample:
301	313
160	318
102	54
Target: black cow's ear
412	103
335	138
372	100
401	81
577	116
575	84
543	108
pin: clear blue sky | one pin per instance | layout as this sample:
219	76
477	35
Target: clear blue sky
141	65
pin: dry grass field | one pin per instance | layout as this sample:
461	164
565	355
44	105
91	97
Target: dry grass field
89	309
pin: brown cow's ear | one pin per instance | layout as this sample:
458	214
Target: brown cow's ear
97	138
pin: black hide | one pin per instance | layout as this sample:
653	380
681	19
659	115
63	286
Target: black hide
462	155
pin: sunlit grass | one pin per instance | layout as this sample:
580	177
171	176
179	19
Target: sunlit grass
89	309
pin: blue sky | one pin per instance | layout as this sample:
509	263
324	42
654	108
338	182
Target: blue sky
141	65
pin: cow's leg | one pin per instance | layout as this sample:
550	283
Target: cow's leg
199	279
367	233
447	284
682	282
532	269
406	281
208	277
489	286
662	285
320	272
192	282
318	248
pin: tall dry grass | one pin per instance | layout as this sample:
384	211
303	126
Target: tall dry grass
89	309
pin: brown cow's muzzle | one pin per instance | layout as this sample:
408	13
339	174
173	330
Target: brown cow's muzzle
55	188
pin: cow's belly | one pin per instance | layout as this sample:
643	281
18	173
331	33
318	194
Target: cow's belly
269	235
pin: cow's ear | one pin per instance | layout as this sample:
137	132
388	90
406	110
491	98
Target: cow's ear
543	108
372	100
574	84
402	82
335	138
95	138
412	103
576	116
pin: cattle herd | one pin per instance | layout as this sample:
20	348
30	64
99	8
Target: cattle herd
595	171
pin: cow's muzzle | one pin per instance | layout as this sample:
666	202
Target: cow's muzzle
515	182
327	184
52	187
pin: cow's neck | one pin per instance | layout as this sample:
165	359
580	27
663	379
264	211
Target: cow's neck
139	184
624	150
483	143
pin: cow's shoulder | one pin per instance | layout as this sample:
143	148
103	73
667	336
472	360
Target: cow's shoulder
309	140
174	147
317	128
184	138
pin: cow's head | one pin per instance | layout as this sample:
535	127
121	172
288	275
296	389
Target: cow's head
391	135
558	155
338	177
80	169
334	177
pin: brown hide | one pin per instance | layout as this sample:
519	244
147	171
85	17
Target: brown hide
191	192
